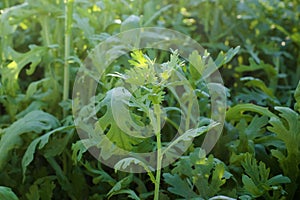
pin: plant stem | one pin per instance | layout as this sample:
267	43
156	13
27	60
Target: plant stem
159	150
68	32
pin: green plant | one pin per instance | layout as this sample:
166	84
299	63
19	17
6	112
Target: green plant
42	46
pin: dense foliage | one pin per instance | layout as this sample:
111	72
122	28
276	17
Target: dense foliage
256	47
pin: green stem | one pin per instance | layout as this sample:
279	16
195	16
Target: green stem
47	41
159	152
68	32
45	29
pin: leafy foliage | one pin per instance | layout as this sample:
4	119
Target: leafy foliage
257	182
196	172
255	45
287	129
35	121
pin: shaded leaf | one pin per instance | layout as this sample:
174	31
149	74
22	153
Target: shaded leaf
7	194
40	142
35	121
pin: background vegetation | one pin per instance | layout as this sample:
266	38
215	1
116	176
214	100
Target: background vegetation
42	45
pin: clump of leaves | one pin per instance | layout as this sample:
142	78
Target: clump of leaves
287	129
197	176
257	183
33	122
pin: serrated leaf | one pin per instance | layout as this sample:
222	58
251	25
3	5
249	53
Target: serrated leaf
42	189
287	129
124	163
190	135
250	187
237	112
80	147
120	185
117	119
103	176
178	186
196	60
206	175
138	59
257	182
33	87
11	73
269	69
255	82
35	121
40	142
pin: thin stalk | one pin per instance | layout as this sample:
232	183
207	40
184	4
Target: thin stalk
47	41
68	32
159	152
45	28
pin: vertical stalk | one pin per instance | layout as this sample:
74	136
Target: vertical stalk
68	32
159	152
47	41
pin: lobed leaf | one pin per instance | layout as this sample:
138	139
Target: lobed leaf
40	142
35	121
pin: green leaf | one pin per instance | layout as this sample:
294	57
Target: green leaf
120	185
190	135
269	69
199	64
80	147
138	59
42	189
255	82
11	73
62	178
250	187
179	186
287	129
198	173
257	182
7	194
279	179
237	112
35	121
131	194
131	22
258	173
117	119
33	87
103	176
156	14
41	141
225	58
124	163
